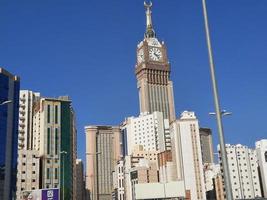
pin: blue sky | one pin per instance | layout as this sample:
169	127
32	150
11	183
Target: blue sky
87	49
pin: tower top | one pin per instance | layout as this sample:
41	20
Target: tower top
150	33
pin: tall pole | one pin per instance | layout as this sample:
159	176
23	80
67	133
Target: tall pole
227	180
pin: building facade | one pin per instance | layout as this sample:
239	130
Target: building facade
102	154
243	167
26	105
9	113
28	176
53	131
206	145
187	146
211	171
153	74
149	130
118	181
261	149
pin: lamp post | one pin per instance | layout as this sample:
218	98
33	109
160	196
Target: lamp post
227	180
223	113
63	153
94	154
5	102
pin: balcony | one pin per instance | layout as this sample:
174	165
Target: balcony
21	137
21	145
21	111
22	125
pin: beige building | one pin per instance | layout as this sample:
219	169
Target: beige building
139	153
144	172
206	145
139	159
219	188
28	171
54	137
167	168
26	104
102	154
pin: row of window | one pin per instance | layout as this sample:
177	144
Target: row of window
55	114
49	173
56	139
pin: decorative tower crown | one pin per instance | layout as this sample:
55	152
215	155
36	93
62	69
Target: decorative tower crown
150	33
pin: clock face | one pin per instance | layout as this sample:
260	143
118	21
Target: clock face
155	54
140	56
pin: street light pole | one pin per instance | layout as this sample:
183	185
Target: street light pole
5	102
227	180
63	181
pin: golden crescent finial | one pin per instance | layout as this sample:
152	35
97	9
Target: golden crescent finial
148	5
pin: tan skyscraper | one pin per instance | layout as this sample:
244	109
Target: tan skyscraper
153	73
102	153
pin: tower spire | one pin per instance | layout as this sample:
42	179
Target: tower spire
150	33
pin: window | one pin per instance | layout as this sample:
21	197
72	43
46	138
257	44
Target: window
56	173
56	141
48	140
47	173
56	114
48	113
265	154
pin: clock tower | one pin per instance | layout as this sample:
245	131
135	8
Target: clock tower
153	73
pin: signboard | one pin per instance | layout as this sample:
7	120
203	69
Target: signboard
44	194
52	194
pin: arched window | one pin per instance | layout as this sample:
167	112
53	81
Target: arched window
265	154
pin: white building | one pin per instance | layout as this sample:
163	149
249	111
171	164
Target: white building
261	149
149	130
118	181
243	168
187	154
26	103
211	171
28	171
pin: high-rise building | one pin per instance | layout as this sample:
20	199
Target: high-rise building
149	130
243	167
9	113
153	73
206	145
54	132
185	134
74	157
261	149
28	176
102	154
26	104
80	186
